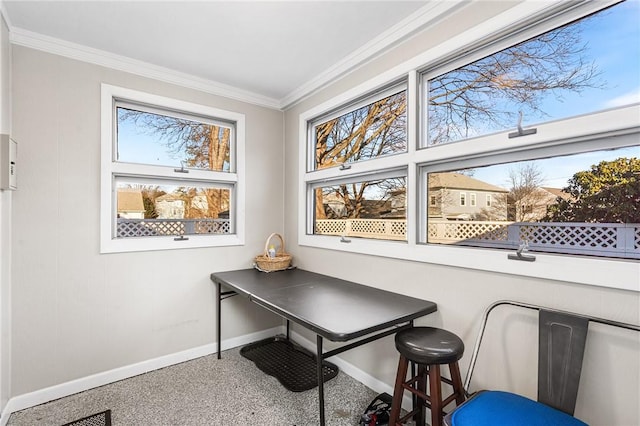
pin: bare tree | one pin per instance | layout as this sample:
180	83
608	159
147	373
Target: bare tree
487	95
525	199
497	210
149	195
367	132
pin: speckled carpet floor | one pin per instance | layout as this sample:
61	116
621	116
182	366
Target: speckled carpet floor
206	391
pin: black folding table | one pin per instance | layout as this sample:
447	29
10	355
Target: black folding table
335	309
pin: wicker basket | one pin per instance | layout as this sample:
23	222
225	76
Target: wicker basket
281	260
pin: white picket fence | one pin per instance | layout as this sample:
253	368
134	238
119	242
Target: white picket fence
384	229
598	239
158	227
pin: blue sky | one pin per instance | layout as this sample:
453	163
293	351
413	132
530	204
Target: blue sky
136	146
554	171
613	43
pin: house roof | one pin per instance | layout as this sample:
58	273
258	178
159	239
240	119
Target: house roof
460	181
169	197
130	200
557	192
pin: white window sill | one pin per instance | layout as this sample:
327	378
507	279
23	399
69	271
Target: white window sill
611	273
124	245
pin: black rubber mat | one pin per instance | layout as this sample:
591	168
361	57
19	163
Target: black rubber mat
98	419
292	365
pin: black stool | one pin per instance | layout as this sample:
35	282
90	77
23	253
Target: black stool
429	348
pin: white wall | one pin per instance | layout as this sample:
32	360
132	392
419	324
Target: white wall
611	377
5	223
76	312
5	71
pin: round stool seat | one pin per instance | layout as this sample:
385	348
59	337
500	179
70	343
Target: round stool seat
429	345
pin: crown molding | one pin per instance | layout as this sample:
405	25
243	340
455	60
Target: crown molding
424	17
21	37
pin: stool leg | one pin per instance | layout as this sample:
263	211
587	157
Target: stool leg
454	369
398	391
420	416
414	372
435	395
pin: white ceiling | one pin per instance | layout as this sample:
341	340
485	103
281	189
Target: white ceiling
275	51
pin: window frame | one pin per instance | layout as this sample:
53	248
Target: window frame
113	171
566	136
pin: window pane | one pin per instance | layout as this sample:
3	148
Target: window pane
161	210
583	67
585	203
148	138
371	131
368	209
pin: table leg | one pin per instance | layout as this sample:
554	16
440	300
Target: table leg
320	380
219	315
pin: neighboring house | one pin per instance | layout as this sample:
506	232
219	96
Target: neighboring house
557	192
397	205
334	205
130	204
170	206
393	208
533	207
398	200
455	196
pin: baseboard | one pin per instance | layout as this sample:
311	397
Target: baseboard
62	390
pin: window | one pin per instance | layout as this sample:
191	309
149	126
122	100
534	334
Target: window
170	173
570	70
353	186
565	204
559	196
508	108
472	199
367	209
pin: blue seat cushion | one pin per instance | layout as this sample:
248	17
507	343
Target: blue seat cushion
491	408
